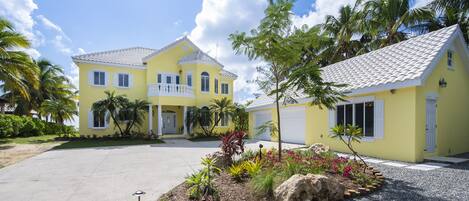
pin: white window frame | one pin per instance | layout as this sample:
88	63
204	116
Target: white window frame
224	120
205	89
164	76
450	59
93	78
128	80
226	89
104	125
189	75
216	85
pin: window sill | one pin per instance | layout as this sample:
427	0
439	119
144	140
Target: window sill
95	85
120	87
98	128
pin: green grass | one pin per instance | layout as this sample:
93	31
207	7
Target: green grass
29	140
88	143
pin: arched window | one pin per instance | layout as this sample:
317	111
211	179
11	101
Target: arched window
205	79
205	116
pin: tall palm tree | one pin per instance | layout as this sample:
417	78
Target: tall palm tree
223	108
111	104
342	29
15	66
389	20
60	110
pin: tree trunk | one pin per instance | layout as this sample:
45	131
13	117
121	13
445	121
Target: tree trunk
278	120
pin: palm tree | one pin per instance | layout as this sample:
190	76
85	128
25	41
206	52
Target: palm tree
389	20
15	66
60	110
341	30
111	104
222	108
135	112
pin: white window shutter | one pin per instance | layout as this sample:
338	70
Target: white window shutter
106	78
130	80
116	80
90	77
332	119
90	119
379	119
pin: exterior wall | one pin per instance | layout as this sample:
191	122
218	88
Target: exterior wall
164	62
90	94
452	108
398	142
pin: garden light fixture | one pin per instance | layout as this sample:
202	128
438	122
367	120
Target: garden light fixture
138	194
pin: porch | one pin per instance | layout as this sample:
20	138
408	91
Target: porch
167	120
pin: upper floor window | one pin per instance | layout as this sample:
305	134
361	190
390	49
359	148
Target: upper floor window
450	58
177	79
216	86
358	114
159	78
123	80
99	78
189	79
205	80
224	88
168	79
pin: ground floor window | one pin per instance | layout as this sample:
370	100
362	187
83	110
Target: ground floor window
358	114
99	119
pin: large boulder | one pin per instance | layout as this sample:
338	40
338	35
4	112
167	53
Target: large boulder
319	148
221	160
309	187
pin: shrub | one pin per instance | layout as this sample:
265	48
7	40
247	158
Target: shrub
233	143
201	183
264	182
29	128
24	126
252	167
236	171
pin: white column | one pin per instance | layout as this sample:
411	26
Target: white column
184	121
160	121
150	119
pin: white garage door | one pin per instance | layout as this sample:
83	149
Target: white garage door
293	124
260	118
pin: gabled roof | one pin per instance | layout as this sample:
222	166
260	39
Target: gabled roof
403	64
127	56
137	56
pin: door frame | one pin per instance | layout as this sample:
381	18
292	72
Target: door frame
432	99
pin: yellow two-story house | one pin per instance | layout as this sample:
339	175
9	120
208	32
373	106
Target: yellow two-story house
171	79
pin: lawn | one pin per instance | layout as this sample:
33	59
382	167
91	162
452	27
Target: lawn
29	140
87	143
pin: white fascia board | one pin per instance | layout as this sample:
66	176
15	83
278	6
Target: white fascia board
77	61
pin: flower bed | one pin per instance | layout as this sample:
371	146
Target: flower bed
262	176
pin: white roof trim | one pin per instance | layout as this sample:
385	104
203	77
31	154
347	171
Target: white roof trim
77	61
148	57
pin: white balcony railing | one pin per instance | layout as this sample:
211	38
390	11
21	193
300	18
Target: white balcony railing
170	90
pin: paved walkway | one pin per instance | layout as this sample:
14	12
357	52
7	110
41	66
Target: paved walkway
105	173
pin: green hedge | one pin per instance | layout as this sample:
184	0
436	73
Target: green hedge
24	126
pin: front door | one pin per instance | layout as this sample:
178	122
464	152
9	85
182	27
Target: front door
169	122
430	126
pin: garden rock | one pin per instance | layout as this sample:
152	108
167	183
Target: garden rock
319	148
309	187
221	160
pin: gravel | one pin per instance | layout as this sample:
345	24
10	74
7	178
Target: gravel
447	183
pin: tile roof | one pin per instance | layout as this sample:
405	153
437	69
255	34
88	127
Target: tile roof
127	56
135	56
399	63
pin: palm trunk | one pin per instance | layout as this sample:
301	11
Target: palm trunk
117	124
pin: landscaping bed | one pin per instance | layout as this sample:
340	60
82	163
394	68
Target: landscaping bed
302	174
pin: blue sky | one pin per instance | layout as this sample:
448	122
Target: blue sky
60	29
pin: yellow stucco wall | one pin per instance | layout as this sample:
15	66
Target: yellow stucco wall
452	108
164	62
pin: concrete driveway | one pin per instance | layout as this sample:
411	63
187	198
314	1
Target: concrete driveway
106	173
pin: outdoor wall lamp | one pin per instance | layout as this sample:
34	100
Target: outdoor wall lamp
138	194
442	83
260	151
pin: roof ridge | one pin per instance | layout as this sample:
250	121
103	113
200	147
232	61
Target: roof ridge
112	51
396	44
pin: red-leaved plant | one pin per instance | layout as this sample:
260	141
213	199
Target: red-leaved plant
233	143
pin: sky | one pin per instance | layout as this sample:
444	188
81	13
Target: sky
60	29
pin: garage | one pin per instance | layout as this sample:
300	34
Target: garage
260	118
293	124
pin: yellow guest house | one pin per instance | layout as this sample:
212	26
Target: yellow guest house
173	78
411	99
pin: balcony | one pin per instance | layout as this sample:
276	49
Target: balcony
170	90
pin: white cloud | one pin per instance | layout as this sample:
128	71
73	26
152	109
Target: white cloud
219	18
19	13
177	23
214	23
49	24
420	3
81	51
61	41
319	10
74	74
